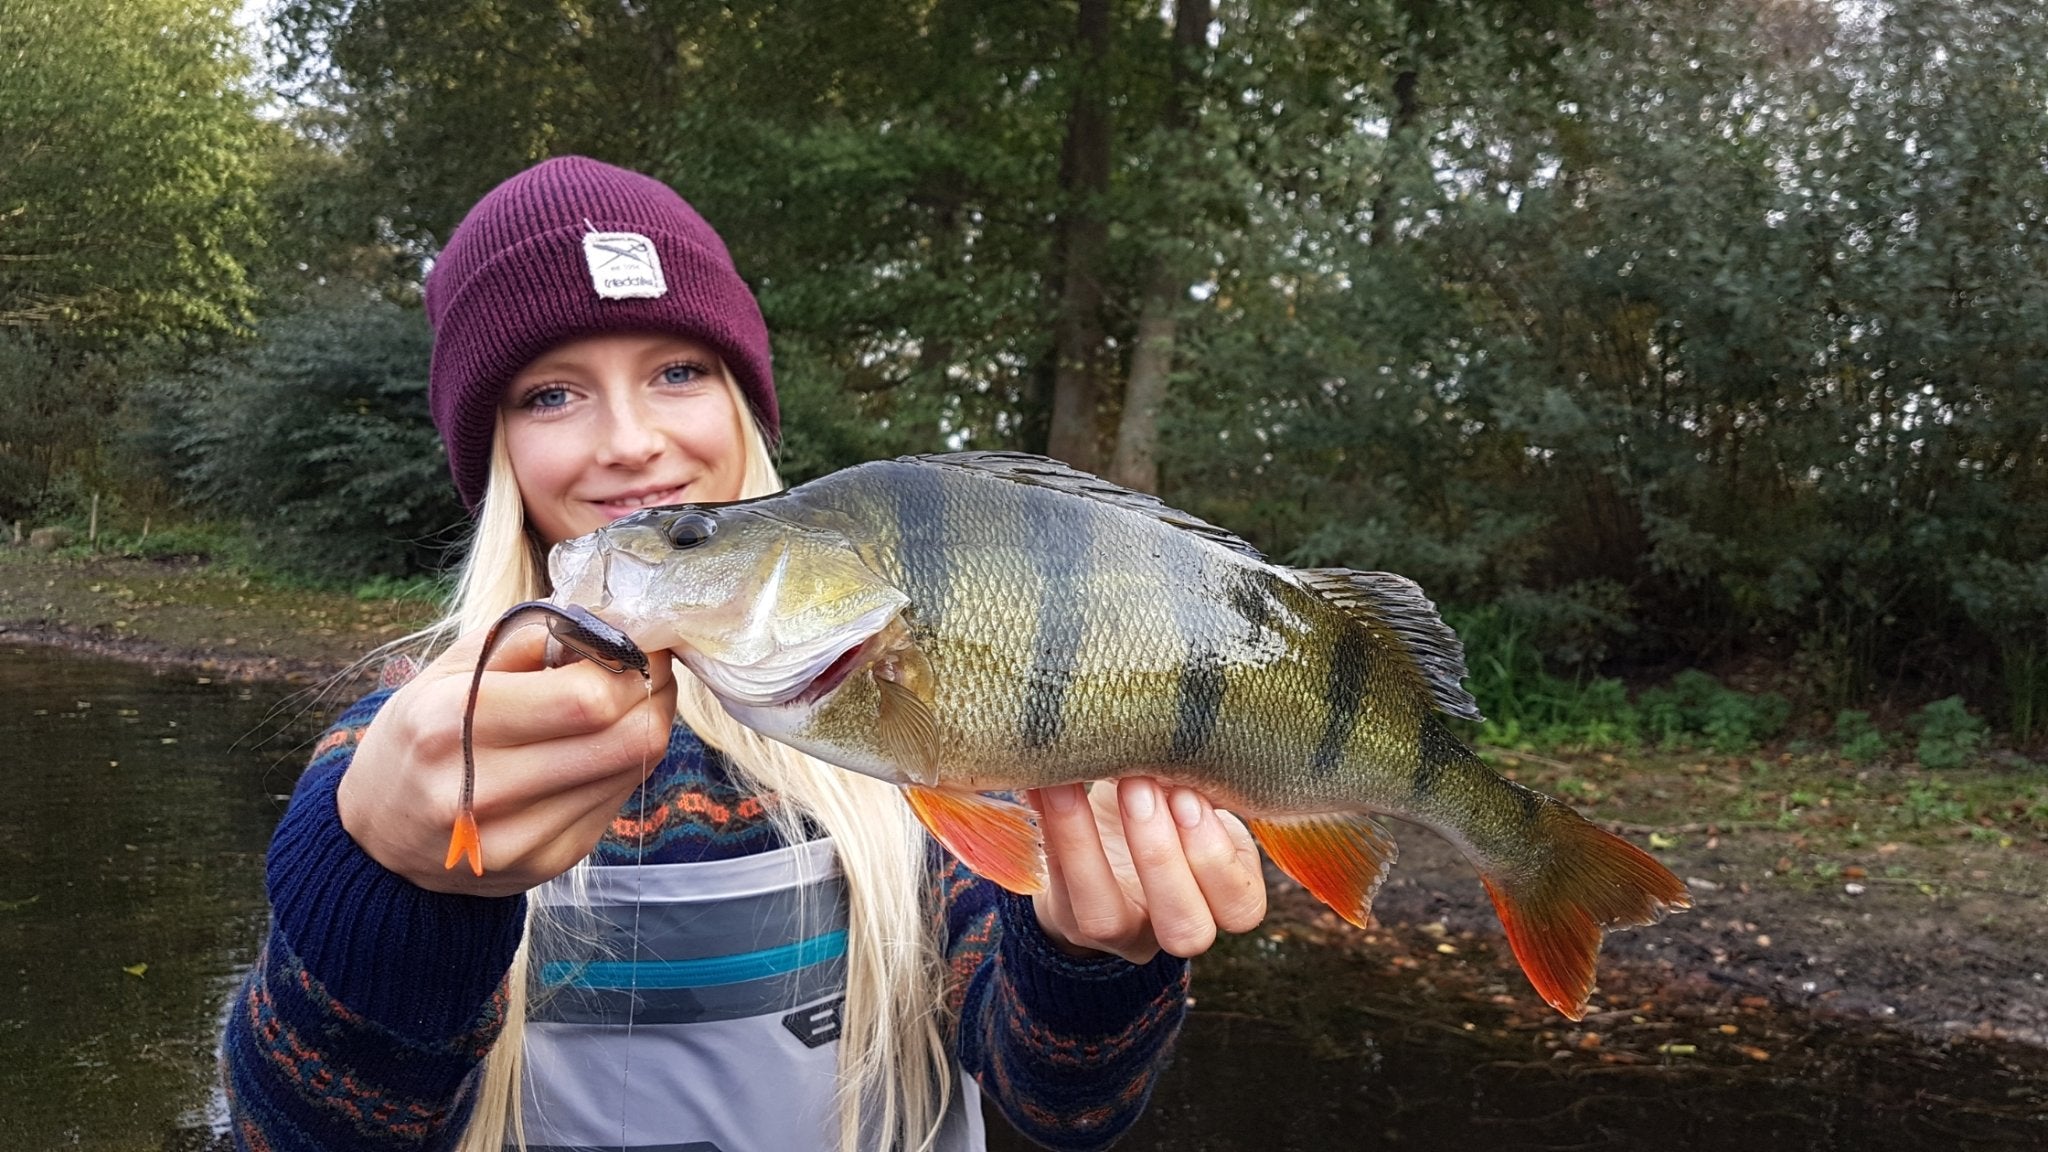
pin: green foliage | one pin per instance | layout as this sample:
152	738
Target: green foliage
130	199
1949	735
57	393
1859	740
1529	707
318	438
1697	708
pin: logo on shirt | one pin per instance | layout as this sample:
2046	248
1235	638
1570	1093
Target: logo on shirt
816	1025
623	265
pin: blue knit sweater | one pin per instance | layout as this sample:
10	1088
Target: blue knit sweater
373	1003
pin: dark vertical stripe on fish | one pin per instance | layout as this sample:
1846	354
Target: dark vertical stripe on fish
1059	528
1252	600
919	495
1435	752
1202	684
1199	698
1350	660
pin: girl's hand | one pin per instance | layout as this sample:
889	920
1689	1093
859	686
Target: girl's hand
1140	867
558	751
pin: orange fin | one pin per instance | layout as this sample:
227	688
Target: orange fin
994	837
1340	857
1592	880
465	842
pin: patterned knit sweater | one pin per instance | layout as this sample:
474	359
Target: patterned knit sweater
373	1003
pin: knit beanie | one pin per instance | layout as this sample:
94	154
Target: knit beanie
570	248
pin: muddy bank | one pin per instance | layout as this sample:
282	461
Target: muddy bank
191	617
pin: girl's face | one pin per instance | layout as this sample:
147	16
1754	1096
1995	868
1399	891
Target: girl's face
600	426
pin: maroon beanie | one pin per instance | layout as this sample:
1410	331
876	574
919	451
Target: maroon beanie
570	248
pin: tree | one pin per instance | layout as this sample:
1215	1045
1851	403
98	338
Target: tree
130	198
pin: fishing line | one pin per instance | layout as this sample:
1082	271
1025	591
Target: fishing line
639	892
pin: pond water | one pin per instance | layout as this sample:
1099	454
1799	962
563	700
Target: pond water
134	812
135	809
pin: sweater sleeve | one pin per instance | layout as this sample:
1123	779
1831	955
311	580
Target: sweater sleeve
373	1001
1068	1048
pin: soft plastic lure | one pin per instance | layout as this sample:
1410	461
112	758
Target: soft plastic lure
573	633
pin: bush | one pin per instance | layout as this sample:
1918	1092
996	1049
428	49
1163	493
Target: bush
1696	705
1859	740
318	438
1949	735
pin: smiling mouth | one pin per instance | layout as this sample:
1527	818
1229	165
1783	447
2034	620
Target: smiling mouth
650	500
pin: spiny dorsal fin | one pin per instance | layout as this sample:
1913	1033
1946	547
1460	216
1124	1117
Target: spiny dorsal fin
1397	604
1044	472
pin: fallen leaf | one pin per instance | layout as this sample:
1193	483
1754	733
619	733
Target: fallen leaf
1753	1052
136	969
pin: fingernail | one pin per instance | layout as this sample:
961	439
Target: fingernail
1142	799
1062	798
1187	808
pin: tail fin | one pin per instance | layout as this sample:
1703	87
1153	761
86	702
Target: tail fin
1555	916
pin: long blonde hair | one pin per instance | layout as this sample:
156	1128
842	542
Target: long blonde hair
895	1067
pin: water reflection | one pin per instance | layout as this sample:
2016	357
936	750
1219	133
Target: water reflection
132	831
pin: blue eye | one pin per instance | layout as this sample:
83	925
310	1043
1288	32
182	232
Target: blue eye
681	373
547	398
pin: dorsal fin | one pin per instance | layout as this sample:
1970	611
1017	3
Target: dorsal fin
1397	604
1044	472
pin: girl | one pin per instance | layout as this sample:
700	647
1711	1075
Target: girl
686	936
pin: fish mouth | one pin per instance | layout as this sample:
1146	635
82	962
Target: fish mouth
835	673
803	679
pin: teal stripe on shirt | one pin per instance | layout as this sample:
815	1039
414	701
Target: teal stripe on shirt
702	972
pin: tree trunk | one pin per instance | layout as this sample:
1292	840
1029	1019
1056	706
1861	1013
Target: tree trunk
1406	109
1084	184
1135	463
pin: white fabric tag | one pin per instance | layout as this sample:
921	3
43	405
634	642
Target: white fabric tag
623	265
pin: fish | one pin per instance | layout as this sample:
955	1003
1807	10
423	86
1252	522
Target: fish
972	625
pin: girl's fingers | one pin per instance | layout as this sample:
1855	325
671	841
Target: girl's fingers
1179	912
578	699
1224	860
1082	883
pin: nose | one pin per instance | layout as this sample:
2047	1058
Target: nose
630	437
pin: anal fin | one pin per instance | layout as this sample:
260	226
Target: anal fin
994	837
1340	857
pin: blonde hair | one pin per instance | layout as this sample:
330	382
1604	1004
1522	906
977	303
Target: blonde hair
895	1066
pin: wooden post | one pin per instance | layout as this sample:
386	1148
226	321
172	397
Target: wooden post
145	532
92	524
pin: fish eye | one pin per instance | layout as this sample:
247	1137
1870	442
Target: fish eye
691	529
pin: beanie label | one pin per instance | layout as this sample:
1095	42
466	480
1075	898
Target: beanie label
623	266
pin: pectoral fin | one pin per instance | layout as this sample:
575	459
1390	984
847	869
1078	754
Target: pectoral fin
994	837
1340	857
907	730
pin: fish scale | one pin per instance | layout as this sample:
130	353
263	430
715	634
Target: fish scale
993	622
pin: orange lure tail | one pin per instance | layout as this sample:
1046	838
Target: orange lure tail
463	841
